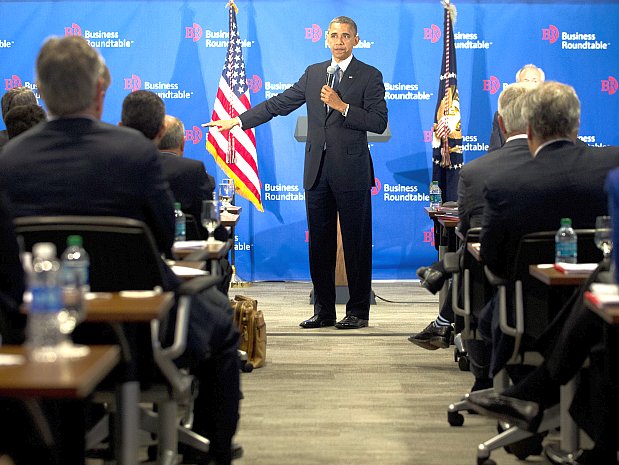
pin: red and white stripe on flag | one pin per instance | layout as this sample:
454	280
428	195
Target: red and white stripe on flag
235	150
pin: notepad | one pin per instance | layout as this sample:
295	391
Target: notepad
576	268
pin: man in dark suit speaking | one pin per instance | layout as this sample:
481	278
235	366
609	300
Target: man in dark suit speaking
338	172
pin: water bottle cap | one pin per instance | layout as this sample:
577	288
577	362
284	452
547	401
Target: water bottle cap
177	205
74	240
566	222
44	250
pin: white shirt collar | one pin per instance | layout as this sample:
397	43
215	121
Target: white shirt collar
517	136
342	64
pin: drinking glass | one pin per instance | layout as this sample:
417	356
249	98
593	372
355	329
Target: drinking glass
226	192
210	217
603	236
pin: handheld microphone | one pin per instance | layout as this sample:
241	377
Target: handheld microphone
330	75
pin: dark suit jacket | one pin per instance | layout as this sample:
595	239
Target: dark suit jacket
189	182
80	166
473	178
12	280
348	159
564	180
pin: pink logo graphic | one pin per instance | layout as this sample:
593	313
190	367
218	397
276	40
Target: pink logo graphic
376	188
427	136
133	83
492	85
254	83
193	135
428	237
74	30
14	81
313	33
193	32
432	33
609	85
551	34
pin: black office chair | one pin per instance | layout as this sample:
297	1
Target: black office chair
123	255
192	228
532	307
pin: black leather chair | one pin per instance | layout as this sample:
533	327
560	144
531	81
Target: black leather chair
526	307
123	255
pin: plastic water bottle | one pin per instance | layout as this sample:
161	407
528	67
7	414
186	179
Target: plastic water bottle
435	195
566	243
180	225
43	329
75	272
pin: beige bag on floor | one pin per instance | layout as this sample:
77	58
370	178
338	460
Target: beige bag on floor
250	322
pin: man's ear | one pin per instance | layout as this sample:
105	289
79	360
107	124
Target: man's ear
502	125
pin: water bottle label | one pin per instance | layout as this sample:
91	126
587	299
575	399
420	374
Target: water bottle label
46	299
180	232
566	252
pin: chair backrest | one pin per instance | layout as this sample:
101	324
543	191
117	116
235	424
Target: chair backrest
539	299
192	228
123	253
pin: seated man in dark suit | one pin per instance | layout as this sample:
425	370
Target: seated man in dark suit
189	182
563	179
23	117
78	165
471	201
13	98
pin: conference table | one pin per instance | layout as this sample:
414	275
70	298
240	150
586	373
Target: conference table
204	251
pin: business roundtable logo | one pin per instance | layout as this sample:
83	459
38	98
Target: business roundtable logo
165	90
463	40
15	81
573	40
491	85
98	39
6	43
193	135
609	85
212	39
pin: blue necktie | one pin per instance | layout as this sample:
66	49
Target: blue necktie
336	77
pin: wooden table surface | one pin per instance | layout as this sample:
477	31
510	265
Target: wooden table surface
65	378
127	306
215	250
550	276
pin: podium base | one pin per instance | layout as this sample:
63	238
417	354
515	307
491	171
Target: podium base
342	295
236	281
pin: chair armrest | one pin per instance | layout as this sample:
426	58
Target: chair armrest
451	262
494	279
197	285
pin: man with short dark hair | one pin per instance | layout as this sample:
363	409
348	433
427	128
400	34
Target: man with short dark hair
23	117
190	183
12	98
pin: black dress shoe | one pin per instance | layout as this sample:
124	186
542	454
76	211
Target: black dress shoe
351	322
433	337
193	456
524	414
317	322
433	280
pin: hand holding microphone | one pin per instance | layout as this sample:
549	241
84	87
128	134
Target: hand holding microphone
329	96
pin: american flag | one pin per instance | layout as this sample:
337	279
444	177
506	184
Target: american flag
235	150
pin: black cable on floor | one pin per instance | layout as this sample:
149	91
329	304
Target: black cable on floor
401	302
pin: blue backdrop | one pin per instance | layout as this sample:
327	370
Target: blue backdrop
177	49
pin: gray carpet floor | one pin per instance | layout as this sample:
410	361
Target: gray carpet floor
360	397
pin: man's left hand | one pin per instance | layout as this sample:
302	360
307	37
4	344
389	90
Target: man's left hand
331	98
